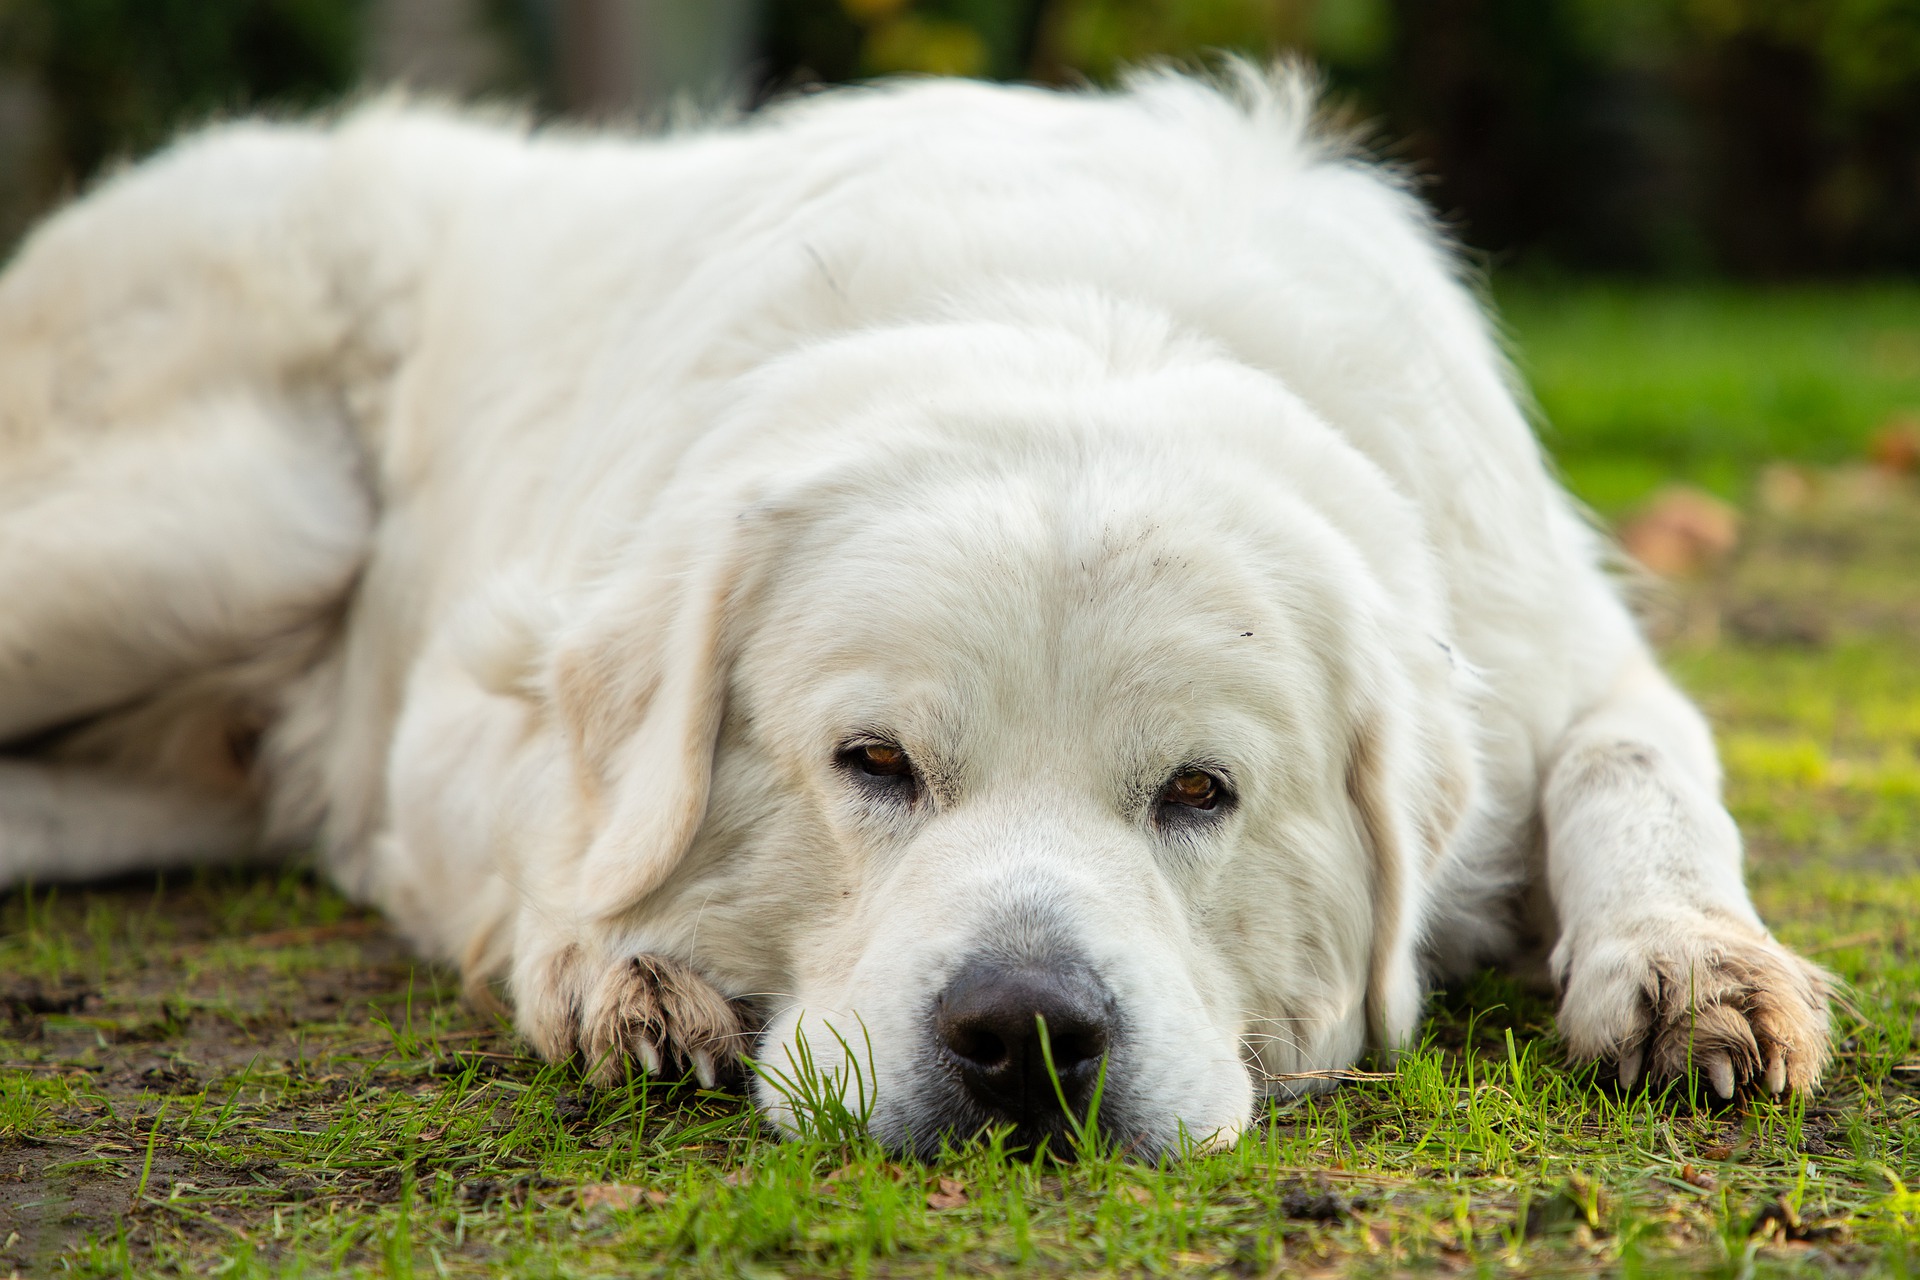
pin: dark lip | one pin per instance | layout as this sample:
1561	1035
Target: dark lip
1053	1141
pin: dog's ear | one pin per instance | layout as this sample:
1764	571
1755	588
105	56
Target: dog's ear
639	684
1411	783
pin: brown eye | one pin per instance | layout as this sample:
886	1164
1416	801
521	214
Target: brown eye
877	763
1192	788
884	760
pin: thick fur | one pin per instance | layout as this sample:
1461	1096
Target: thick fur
531	523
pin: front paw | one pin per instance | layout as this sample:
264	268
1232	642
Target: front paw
645	1011
1703	994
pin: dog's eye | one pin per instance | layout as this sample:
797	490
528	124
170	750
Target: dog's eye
1192	789
883	762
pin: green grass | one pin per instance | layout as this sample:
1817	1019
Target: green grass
1642	385
401	1136
239	1074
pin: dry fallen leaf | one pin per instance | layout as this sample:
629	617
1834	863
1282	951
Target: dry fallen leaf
1697	1177
1896	446
951	1195
1680	532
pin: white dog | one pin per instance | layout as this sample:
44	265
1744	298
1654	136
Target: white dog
928	557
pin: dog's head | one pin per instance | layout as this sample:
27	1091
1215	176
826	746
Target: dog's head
1044	706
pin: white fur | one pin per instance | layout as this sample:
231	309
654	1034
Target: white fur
558	505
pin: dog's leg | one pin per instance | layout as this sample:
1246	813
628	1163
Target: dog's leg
201	544
66	822
1662	965
486	814
181	490
158	552
177	476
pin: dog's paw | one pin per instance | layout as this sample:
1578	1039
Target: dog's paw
663	1016
646	1011
1711	996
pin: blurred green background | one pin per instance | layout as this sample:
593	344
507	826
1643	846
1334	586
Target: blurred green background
1701	217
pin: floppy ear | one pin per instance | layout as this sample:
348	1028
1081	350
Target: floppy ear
1410	785
640	687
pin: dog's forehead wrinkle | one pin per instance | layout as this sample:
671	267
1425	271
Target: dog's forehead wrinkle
1018	603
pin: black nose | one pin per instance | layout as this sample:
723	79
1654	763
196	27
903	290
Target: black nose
988	1021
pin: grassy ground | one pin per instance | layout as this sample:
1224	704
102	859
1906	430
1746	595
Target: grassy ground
240	1074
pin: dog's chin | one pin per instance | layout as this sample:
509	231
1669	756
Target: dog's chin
963	1126
941	1117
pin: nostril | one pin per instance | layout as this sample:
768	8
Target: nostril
978	1046
1071	1048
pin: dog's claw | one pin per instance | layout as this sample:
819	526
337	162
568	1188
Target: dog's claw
661	1016
1722	1003
1720	1072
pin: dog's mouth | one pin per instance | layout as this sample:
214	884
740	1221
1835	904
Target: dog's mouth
1086	1116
